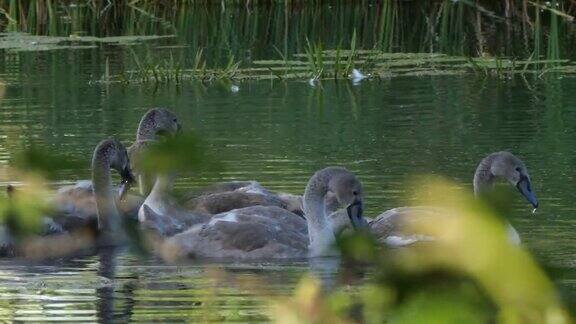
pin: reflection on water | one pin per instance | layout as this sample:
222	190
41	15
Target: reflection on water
114	286
105	294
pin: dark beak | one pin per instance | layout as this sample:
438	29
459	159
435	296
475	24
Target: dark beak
178	128
355	211
126	183
525	189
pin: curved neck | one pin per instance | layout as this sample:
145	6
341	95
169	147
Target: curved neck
320	231
483	177
161	189
339	220
108	216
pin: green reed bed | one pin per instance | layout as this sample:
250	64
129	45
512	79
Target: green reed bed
519	29
313	39
317	64
231	39
146	59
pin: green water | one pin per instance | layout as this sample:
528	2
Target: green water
278	133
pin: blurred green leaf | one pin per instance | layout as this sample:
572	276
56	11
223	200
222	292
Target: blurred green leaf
443	303
471	239
180	153
469	273
22	211
41	161
377	301
357	247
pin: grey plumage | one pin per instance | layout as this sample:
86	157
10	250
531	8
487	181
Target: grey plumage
390	227
269	231
155	122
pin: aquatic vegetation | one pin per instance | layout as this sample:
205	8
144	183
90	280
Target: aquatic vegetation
317	64
22	42
461	30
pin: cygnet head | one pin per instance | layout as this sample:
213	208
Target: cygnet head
348	191
158	121
119	161
513	170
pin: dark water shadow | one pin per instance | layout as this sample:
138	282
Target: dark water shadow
108	306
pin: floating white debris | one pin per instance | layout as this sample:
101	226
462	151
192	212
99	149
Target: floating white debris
312	82
234	88
357	76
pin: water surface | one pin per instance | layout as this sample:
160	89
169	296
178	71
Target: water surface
279	133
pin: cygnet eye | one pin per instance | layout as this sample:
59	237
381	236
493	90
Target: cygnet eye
355	192
518	169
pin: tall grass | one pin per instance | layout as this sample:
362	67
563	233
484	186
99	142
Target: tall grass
466	27
386	34
553	52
